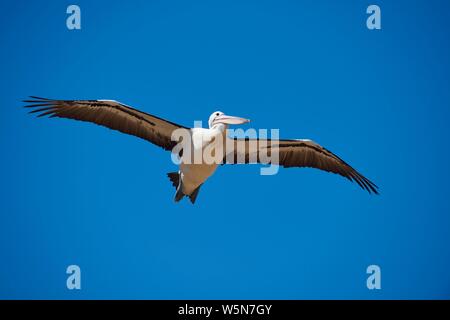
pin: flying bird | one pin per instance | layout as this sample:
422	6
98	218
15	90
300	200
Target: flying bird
191	175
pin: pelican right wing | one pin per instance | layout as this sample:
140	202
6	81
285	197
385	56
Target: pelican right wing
294	153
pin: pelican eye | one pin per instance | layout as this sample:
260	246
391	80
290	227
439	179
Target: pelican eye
217	114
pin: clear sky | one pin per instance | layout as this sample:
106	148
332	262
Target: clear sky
76	193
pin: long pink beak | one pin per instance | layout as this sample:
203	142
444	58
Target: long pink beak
230	120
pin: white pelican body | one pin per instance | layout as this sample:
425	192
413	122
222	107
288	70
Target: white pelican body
194	171
193	175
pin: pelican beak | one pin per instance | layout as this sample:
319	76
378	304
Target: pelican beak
230	120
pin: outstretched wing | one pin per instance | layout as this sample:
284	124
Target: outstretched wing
294	153
111	114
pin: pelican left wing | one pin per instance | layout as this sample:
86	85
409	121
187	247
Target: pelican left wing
295	153
110	114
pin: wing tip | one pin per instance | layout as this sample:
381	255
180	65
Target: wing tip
40	106
37	99
368	185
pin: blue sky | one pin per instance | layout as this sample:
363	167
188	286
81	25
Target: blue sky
76	193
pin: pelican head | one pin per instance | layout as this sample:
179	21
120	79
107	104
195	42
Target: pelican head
218	117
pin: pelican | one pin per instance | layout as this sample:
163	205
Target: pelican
191	176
